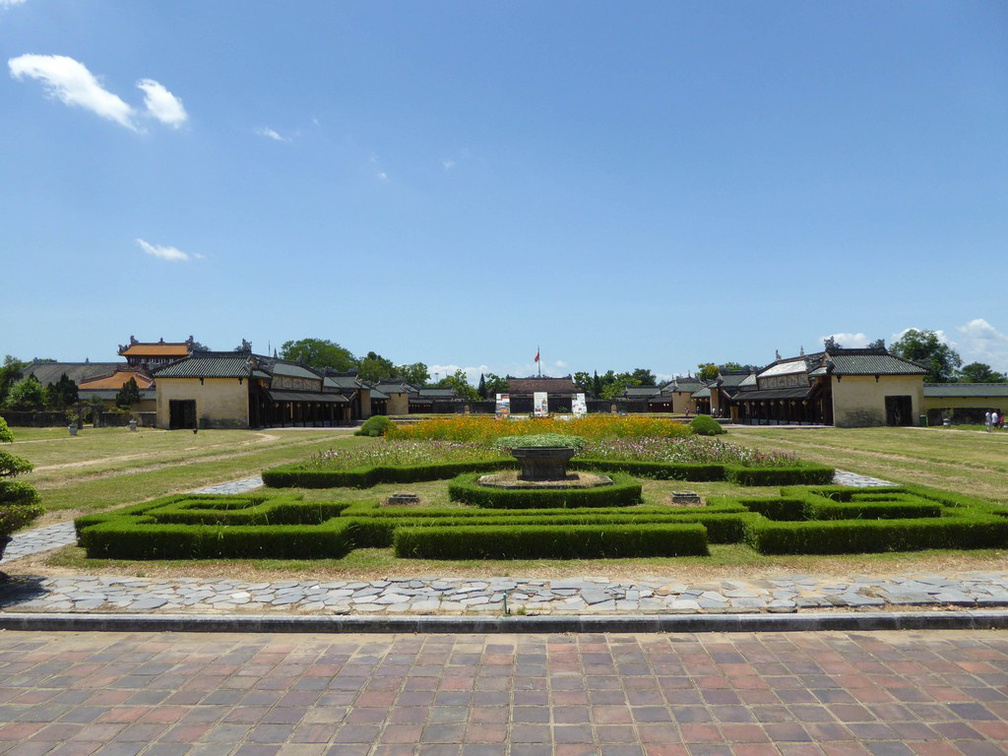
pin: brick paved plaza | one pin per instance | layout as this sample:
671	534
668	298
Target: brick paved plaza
930	693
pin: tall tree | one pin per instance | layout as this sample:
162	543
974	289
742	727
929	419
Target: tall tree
926	349
481	389
61	394
10	373
460	383
319	354
643	377
26	394
375	368
596	385
583	381
708	371
877	344
128	395
495	385
415	374
979	372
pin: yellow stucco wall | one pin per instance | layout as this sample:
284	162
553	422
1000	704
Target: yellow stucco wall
682	401
398	404
860	400
966	402
220	402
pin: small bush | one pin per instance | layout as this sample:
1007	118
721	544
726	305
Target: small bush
625	491
705	425
376	425
551	542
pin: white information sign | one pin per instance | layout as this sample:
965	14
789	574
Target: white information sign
579	407
540	404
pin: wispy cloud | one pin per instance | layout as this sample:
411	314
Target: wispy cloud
72	83
276	136
162	104
448	164
171	254
848	340
982	342
5	4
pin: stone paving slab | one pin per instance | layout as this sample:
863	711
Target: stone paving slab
821	694
498	596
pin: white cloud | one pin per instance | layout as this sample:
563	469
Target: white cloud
271	134
382	176
172	254
982	342
848	340
448	164
162	104
73	84
5	4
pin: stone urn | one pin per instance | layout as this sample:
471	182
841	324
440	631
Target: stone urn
543	462
72	429
133	425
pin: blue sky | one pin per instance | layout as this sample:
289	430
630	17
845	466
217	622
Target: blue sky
652	184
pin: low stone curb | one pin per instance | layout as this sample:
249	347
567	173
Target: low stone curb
699	623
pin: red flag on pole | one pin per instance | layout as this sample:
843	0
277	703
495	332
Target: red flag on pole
537	355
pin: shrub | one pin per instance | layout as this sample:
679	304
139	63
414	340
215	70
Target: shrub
806	474
705	425
625	491
540	441
551	542
19	502
376	425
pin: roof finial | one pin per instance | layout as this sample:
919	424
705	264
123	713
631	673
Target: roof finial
777	353
801	351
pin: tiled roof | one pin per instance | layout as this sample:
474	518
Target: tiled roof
342	382
50	372
209	365
640	392
966	390
294	370
871	362
768	394
155	350
306	396
117	380
549	385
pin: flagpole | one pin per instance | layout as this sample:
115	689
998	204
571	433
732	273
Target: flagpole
539	361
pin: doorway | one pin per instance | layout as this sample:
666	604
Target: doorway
181	414
899	410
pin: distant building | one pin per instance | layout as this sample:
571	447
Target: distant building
963	402
240	390
152	355
842	387
560	393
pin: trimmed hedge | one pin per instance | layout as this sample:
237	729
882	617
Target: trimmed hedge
625	491
379	532
125	539
804	475
301	476
551	542
831	510
694	472
873	536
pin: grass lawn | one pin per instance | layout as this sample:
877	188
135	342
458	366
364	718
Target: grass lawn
971	462
106	467
113	467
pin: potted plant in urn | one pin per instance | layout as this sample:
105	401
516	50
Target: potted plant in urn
543	456
19	501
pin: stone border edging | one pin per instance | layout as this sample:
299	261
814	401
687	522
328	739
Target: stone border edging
722	623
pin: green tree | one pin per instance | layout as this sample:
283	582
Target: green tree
128	395
26	394
596	385
495	385
460	383
708	371
374	368
10	373
979	372
18	500
583	381
643	377
927	350
319	354
877	344
61	394
481	389
415	374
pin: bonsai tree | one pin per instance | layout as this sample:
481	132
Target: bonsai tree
19	502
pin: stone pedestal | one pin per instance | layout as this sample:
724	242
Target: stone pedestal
543	462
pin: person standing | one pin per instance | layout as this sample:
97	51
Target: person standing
988	420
